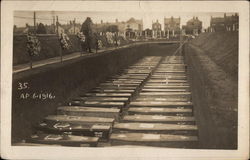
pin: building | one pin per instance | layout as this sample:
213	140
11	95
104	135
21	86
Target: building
21	30
232	22
71	28
129	29
193	26
102	27
51	29
74	29
121	27
226	23
217	24
172	27
156	29
147	33
25	30
134	28
135	25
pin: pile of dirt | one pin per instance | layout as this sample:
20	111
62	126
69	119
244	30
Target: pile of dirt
222	48
213	65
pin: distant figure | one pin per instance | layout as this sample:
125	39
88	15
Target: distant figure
96	45
96	42
87	31
88	44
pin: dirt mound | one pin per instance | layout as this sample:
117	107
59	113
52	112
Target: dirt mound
222	47
213	63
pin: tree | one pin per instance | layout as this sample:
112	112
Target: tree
41	29
112	28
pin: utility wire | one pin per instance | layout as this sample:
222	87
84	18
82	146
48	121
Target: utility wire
41	18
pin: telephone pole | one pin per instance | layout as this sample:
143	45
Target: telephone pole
57	29
34	23
34	18
74	24
54	25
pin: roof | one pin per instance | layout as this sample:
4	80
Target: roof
172	19
218	20
132	20
156	23
20	29
193	20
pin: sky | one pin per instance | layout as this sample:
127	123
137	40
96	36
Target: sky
45	17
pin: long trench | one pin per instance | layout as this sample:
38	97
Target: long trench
147	104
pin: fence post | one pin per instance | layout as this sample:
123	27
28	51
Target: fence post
34	23
30	62
74	24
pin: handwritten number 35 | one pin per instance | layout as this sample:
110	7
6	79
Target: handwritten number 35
22	85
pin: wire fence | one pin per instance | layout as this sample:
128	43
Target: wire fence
48	19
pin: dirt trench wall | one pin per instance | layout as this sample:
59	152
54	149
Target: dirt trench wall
215	100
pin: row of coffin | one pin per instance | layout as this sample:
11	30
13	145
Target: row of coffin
147	104
162	113
89	119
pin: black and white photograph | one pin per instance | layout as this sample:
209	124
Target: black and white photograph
135	77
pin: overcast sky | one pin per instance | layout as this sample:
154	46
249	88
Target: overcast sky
23	17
